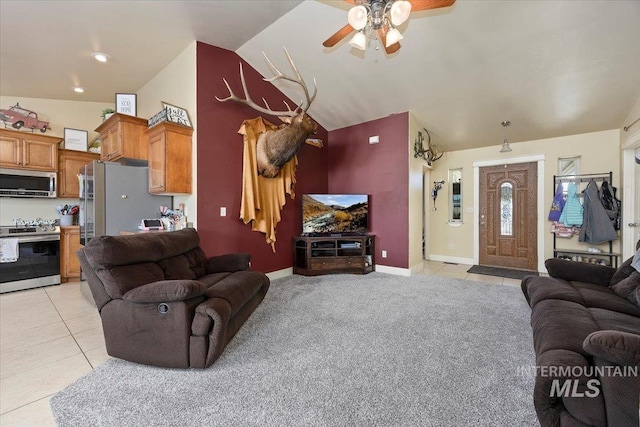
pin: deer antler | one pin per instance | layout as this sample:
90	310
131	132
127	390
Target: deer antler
279	75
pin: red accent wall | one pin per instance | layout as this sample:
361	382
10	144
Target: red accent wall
382	171
219	167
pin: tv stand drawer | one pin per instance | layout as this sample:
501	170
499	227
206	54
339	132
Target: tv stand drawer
336	263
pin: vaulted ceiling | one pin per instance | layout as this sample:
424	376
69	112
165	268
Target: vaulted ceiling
551	67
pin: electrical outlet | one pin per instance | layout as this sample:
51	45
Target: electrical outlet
384	254
450	245
374	139
223	211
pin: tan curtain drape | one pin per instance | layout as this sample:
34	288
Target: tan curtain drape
263	198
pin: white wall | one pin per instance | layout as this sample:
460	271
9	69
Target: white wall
599	152
176	85
60	114
416	167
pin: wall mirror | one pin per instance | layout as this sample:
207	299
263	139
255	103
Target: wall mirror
455	195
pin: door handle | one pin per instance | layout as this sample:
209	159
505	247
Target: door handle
633	224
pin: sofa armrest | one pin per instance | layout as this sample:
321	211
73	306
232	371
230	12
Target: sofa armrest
165	291
621	348
579	271
228	263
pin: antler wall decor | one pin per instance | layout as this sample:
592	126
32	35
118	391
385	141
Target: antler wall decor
430	153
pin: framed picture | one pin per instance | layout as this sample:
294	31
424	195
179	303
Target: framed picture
75	139
177	115
126	103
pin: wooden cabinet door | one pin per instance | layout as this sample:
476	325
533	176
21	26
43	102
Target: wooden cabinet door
111	144
157	162
69	164
39	155
10	152
69	244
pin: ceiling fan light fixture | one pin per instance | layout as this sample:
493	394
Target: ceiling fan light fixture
393	37
358	17
359	41
400	11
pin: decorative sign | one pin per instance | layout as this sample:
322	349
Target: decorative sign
126	103
75	139
157	118
177	115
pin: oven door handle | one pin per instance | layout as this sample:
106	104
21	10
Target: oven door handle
33	239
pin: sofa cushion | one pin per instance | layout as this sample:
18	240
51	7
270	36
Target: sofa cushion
629	288
586	294
109	251
165	291
211	279
177	267
561	325
237	288
120	280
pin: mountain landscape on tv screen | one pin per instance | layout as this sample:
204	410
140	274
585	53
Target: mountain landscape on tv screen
334	213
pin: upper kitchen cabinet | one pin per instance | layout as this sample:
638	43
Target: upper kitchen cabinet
21	150
169	159
123	136
69	164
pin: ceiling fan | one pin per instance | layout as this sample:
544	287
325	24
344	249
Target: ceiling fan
369	17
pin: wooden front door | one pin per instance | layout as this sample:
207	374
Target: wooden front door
508	216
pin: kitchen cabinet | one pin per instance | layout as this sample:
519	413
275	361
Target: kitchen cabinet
69	244
22	150
69	164
169	159
122	135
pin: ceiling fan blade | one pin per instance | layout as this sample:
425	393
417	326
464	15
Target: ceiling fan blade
383	39
339	35
417	5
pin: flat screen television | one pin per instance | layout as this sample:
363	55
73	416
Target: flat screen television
331	214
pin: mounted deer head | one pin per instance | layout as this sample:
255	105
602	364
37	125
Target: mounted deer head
276	147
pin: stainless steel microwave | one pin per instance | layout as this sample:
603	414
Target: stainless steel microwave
27	183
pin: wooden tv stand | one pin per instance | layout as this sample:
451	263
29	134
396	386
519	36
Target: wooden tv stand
331	254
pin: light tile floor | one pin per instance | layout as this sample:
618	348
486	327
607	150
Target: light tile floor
50	337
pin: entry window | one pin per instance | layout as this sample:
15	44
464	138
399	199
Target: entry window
506	208
455	201
568	167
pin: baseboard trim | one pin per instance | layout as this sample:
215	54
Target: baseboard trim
279	274
393	270
453	259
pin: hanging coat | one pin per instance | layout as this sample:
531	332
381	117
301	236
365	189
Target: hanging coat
557	205
597	227
572	213
611	204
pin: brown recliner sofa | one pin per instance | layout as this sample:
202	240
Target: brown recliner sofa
586	335
163	302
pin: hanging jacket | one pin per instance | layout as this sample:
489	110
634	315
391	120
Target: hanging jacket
597	227
557	205
611	204
572	213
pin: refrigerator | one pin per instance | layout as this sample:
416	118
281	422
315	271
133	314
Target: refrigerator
115	197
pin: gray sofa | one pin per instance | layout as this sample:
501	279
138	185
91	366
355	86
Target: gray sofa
163	302
586	335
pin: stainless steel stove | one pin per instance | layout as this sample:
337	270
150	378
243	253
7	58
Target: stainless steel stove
29	254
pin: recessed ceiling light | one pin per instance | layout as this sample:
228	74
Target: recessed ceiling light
100	56
78	89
